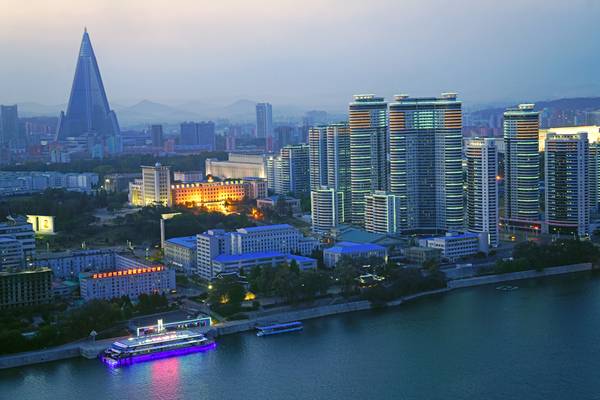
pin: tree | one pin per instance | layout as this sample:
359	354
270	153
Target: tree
226	295
431	265
346	274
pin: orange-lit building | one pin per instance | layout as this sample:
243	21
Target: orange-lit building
213	195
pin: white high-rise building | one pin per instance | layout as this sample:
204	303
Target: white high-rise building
567	186
338	164
327	207
156	185
209	245
482	188
381	212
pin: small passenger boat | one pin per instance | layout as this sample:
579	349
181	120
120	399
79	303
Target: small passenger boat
279	328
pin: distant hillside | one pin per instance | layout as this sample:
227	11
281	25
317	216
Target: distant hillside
148	112
576	103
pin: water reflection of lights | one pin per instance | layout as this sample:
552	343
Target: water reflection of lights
165	378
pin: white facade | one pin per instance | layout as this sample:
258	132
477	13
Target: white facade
180	253
381	212
70	264
457	245
229	264
209	245
238	166
156	185
19	229
482	189
11	254
327	207
129	282
282	238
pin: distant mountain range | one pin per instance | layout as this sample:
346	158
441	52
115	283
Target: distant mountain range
148	112
576	103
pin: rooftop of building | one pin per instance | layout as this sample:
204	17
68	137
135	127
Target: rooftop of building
184	241
455	235
14	221
264	228
352	247
43	255
274	198
36	270
351	234
300	259
66	283
448	96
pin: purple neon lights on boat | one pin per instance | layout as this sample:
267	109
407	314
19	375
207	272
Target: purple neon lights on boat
155	356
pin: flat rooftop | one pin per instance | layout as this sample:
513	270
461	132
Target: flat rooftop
351	247
184	241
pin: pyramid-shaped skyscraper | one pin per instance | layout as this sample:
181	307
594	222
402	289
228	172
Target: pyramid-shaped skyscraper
88	111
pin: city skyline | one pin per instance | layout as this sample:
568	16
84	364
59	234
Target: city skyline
136	45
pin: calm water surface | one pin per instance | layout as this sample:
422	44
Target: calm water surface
539	342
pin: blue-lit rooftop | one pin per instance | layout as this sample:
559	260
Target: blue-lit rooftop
184	241
351	247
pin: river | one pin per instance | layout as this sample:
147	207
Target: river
538	342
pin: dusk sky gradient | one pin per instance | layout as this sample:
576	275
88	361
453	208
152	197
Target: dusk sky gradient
310	53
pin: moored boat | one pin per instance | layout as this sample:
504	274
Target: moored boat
279	328
150	347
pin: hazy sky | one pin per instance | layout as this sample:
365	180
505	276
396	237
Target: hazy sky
305	52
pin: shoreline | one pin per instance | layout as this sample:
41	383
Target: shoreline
90	350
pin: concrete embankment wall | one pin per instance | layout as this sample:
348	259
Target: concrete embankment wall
38	357
229	328
515	276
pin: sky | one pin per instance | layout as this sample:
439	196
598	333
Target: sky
312	53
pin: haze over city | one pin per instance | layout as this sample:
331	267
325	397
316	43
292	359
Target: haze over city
313	54
292	199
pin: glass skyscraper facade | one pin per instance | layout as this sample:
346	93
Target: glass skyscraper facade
317	142
522	166
368	150
426	162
